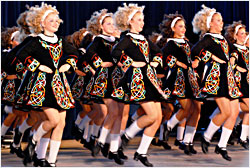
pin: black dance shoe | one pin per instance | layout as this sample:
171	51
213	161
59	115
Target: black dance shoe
204	145
177	142
18	151
77	132
223	153
96	149
244	144
155	143
166	132
185	147
29	151
92	141
125	140
121	154
105	150
17	136
143	158
164	144
191	149
40	162
116	157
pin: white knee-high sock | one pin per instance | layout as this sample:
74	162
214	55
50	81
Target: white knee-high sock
180	133
84	122
120	140
4	129
89	132
192	138
42	148
39	133
78	120
173	121
96	129
144	145
86	132
53	151
135	116
132	130
8	109
244	132
211	129
225	135
23	127
161	132
189	131
103	135
114	144
216	111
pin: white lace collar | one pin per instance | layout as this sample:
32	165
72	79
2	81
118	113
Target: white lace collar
215	35
178	40
106	37
240	46
136	36
53	39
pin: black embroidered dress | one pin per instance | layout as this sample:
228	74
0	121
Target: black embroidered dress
105	78
49	90
138	84
179	82
217	79
242	78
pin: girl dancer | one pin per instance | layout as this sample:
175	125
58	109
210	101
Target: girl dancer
218	81
139	83
50	89
236	34
181	81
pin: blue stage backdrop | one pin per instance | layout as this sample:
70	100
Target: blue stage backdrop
76	13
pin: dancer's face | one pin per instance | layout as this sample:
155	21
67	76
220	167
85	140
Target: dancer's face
108	26
241	36
137	22
179	29
51	23
216	24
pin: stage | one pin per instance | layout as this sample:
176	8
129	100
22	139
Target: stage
72	154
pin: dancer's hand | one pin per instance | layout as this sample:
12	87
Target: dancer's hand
80	73
64	68
138	64
195	63
11	77
180	64
107	64
241	69
44	68
218	59
154	64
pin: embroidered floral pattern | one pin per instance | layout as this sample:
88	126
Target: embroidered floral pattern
77	88
137	86
234	91
72	62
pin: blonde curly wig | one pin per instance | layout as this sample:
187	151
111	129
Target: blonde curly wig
123	13
35	16
200	20
230	31
94	23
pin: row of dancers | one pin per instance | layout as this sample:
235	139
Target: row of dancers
115	66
